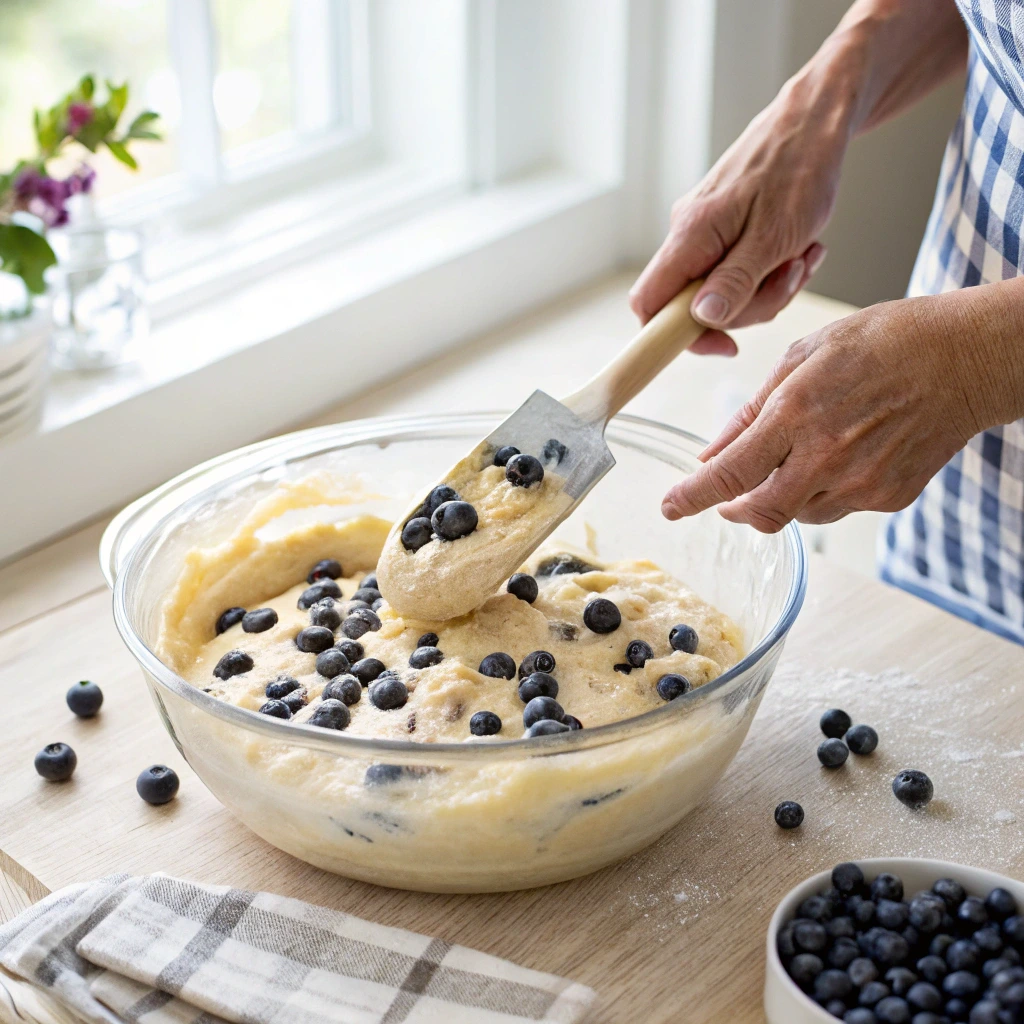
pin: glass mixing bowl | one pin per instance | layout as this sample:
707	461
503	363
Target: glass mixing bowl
460	817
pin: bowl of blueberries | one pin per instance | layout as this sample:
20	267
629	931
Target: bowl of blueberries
898	941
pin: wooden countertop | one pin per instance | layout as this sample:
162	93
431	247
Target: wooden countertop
673	934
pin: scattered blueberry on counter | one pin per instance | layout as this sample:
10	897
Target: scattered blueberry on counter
158	784
259	621
862	740
538	684
537	661
229	618
523	586
388	692
833	752
504	453
524	471
313	639
347	689
835	723
276	709
638	653
485	723
955	961
672	685
913	788
601	616
330	714
454	519
331	662
56	762
789	814
498	665
328	568
234	663
683	638
85	699
424	657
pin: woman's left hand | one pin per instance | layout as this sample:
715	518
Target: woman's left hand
861	414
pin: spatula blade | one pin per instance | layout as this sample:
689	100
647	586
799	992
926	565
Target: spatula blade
540	420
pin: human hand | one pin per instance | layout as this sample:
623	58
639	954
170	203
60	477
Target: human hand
861	414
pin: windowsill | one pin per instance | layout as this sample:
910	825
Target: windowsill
271	354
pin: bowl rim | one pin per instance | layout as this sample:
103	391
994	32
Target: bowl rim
871	866
281	450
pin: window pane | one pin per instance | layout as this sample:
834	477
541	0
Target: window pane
252	92
47	45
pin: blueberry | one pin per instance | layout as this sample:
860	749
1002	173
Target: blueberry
295	701
963	955
276	709
833	753
913	788
999	903
366	594
383	774
573	722
784	941
862	971
485	723
861	910
932	968
314	639
158	784
537	661
873	992
424	657
259	621
832	984
367	669
843	952
504	453
940	944
564	564
810	936
545	727
234	663
369	580
901	980
789	814
388	693
815	908
523	586
672	685
378	604
912	936
835	723
805	968
847	877
437	497
85	699
890	949
351	607
317	592
325	613
951	891
887	887
416	533
892	915
926	910
540	708
554	451
1013	930
524	471
428	640
538	684
956	1010
346	688
498	665
926	1017
638	653
352	649
359	623
683	638
992	967
961	985
988	1011
228	619
454	519
892	1010
602	616
841	928
924	996
862	740
858	1015
971	914
328	568
281	687
331	663
330	714
836	1007
623	666
56	762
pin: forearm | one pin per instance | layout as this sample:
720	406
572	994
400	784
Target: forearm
883	57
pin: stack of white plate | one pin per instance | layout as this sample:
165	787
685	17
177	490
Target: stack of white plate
23	370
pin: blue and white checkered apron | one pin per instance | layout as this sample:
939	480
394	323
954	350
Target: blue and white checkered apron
961	544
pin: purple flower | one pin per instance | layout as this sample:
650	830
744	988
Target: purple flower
81	181
26	183
79	115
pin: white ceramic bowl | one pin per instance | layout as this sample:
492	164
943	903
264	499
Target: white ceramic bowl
784	1002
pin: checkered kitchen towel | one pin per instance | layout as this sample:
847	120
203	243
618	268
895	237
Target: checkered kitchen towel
159	950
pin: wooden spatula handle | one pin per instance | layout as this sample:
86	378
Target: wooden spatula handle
668	333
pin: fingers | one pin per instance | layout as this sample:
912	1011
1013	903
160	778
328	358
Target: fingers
734	282
783	497
740	468
714	343
779	287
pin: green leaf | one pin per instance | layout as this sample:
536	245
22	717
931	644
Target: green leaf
87	86
26	254
138	130
118	100
122	154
